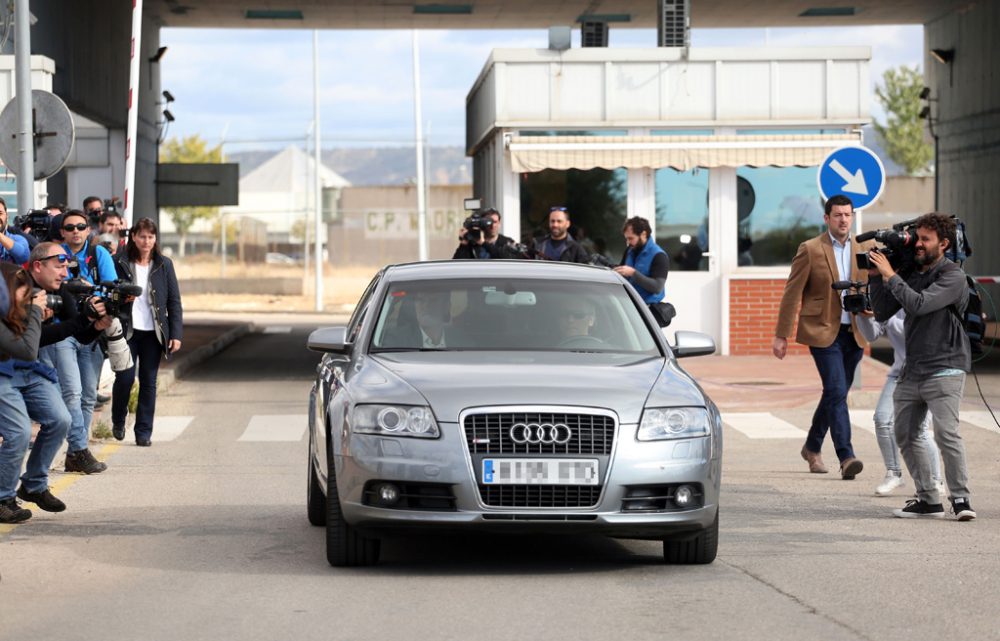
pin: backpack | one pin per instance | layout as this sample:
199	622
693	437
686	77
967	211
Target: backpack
974	322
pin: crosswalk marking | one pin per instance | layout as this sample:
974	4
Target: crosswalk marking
278	427
761	425
981	419
167	428
278	329
865	419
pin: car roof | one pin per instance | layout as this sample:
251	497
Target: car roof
543	269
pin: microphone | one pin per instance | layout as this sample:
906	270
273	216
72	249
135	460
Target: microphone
841	285
868	235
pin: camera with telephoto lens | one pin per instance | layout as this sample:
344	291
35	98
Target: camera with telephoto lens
858	301
114	295
52	301
35	222
478	226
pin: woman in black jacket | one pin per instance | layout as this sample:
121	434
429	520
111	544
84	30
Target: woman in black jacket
154	327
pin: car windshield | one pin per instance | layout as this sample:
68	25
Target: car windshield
510	315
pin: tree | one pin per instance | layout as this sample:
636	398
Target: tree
903	133
189	150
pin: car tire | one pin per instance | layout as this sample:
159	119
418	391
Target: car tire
697	548
315	500
345	546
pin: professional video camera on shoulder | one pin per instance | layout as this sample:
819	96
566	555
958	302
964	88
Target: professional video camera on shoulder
35	222
899	245
480	224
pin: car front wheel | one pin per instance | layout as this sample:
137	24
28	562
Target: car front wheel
315	501
693	548
345	546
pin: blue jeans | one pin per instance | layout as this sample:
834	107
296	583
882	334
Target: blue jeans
25	397
79	368
836	365
146	351
886	435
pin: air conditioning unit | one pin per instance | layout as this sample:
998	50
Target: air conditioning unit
674	22
594	34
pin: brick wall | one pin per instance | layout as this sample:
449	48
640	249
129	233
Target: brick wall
753	313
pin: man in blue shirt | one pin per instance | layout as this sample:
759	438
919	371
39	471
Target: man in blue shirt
14	248
79	364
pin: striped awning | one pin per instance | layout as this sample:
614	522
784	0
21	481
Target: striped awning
535	153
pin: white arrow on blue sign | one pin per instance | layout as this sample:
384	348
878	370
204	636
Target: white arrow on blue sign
855	172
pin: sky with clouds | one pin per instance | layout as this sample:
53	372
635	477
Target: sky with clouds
256	85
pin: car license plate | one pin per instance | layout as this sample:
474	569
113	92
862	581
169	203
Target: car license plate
536	471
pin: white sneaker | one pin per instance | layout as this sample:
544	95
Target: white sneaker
889	484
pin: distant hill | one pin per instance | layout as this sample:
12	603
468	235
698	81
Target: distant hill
379	165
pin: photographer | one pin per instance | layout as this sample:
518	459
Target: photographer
64	323
938	356
480	237
111	224
14	247
646	264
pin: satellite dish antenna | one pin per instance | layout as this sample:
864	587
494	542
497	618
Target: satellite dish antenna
53	130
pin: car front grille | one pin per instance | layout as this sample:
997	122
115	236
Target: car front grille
490	433
540	496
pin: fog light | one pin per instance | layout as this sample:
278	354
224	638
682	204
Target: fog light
683	496
387	493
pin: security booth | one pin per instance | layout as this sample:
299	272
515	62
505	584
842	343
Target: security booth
718	148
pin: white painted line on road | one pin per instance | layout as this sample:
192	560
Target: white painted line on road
279	427
980	419
278	329
761	425
167	428
865	419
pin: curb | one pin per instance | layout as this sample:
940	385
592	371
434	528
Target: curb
198	356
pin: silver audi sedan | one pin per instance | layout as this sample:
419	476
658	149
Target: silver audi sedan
511	396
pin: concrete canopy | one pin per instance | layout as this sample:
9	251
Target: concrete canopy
522	14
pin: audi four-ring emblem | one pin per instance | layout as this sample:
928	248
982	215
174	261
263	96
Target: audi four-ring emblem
548	433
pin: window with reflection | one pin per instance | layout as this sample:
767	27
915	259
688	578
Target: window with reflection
596	200
682	217
777	209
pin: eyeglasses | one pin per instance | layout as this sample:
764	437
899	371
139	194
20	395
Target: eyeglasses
62	258
77	227
552	209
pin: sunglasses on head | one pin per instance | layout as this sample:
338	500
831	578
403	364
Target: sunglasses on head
77	227
552	209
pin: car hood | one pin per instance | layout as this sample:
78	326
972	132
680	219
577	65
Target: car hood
455	381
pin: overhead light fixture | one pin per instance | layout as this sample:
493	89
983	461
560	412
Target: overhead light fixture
169	117
273	14
169	97
442	9
925	93
159	54
944	56
828	12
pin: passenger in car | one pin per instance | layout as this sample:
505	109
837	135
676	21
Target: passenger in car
427	326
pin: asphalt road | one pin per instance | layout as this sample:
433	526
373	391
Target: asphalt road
205	537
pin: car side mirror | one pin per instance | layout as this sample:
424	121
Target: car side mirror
332	340
693	344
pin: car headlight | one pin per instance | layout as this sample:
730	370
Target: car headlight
395	420
662	423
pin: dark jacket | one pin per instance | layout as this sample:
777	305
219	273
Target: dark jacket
164	297
934	300
71	323
573	252
496	249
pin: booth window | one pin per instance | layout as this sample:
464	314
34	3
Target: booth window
777	208
682	217
595	198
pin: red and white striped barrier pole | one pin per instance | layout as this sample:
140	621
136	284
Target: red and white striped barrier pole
133	110
987	280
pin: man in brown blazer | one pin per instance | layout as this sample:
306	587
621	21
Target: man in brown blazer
830	332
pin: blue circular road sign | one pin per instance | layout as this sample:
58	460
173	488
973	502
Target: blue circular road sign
855	172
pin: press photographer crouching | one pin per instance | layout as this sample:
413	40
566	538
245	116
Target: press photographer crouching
938	356
68	321
480	238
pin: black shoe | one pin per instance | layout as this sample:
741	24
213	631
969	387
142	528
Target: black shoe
917	509
44	499
143	442
11	512
83	461
118	431
102	399
962	509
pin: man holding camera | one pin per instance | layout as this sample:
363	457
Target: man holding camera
830	332
481	237
79	384
13	246
938	356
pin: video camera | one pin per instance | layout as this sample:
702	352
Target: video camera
478	226
35	222
110	207
601	261
857	302
113	293
898	245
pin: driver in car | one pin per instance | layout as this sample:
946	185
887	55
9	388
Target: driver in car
575	320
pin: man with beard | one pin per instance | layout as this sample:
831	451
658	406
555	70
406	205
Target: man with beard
938	356
646	264
13	246
559	245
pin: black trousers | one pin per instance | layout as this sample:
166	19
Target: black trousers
146	352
